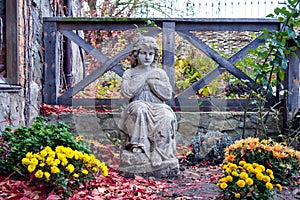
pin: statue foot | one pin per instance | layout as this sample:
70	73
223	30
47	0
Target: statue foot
137	150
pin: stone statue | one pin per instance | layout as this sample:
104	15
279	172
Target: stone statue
148	124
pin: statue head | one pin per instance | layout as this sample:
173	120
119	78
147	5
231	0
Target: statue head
144	42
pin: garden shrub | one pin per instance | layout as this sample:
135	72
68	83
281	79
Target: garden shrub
49	153
209	147
253	166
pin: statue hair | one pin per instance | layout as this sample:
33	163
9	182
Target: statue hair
143	42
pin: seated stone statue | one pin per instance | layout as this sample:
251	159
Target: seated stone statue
148	123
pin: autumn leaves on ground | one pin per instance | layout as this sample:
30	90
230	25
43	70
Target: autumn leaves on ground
45	161
193	183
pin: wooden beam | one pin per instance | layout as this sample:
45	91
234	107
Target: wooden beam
168	46
51	70
12	42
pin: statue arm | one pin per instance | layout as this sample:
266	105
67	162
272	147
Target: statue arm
131	84
161	86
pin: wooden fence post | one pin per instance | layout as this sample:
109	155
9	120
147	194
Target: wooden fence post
51	70
168	43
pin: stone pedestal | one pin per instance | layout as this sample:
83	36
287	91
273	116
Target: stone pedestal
137	163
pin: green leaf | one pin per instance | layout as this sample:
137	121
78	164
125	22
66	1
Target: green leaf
281	74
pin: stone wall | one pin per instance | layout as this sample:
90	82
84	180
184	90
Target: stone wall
22	107
103	126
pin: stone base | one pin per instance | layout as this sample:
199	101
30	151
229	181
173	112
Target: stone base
139	164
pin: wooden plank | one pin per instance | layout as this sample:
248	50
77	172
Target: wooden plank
168	46
219	70
12	42
226	26
215	104
51	70
93	103
293	85
200	24
224	63
184	105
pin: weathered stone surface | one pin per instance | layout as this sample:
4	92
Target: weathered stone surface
139	164
188	127
148	124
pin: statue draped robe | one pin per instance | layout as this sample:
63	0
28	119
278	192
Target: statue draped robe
147	121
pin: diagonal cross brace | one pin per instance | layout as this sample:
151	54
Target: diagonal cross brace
108	64
223	63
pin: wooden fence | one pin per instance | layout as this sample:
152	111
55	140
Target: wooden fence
208	8
168	27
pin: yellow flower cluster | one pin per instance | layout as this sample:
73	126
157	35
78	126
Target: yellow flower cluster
48	161
245	174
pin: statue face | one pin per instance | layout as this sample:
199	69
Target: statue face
146	56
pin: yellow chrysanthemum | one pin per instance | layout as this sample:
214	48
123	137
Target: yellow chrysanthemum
43	153
241	163
50	161
228	170
249	181
47	175
38	157
94	169
229	178
61	156
34	161
279	186
237	195
262	167
246	165
266	179
222	180
233	166
259	176
269	171
255	165
224	167
84	171
70	168
64	162
56	162
269	185
235	173
48	149
54	170
60	149
25	161
69	153
31	168
241	183
223	185
39	174
75	175
42	164
86	158
29	155
243	175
